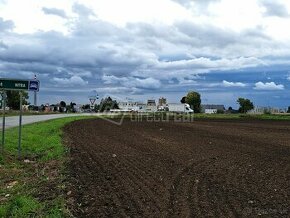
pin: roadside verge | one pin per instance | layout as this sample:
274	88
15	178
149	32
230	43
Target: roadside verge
34	185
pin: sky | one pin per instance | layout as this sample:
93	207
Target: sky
144	49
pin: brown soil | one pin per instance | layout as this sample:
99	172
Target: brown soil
167	169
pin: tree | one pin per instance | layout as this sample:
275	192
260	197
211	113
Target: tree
230	109
183	100
193	99
62	106
42	108
245	105
107	104
86	107
288	111
71	107
13	99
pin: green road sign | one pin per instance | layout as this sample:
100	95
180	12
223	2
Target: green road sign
27	85
14	84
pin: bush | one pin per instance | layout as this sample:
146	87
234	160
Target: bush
268	112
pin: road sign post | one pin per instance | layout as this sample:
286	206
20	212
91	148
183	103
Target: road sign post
20	126
17	85
3	122
35	94
93	99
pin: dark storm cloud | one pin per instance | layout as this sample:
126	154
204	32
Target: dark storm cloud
274	8
220	38
6	25
207	35
54	11
170	42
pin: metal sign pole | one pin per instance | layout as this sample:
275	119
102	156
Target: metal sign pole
20	127
3	123
35	98
35	93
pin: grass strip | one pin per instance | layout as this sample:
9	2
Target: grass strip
33	185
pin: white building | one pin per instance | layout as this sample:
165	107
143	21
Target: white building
263	110
78	108
210	111
130	106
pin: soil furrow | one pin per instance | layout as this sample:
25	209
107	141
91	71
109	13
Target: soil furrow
166	169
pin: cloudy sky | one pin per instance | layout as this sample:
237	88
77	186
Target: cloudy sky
143	49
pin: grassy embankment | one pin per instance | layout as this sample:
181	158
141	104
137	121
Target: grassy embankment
34	186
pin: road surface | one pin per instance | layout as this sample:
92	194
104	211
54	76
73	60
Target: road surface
14	120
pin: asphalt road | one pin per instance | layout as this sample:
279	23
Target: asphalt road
14	120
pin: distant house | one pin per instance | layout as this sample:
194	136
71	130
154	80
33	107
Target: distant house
212	108
232	111
77	108
263	110
151	102
210	111
25	107
162	101
151	108
129	106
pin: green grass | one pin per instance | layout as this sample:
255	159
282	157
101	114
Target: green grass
243	116
217	116
202	116
271	116
41	144
20	206
42	140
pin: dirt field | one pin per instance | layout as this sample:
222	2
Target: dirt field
198	169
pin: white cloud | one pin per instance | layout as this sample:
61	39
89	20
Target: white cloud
233	84
70	82
268	86
148	83
108	91
54	11
274	8
140	83
207	63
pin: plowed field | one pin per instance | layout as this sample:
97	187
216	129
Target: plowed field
168	169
